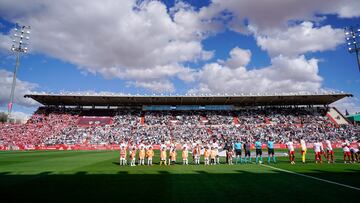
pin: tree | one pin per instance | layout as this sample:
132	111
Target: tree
3	117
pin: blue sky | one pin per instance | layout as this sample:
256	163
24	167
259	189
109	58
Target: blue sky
179	47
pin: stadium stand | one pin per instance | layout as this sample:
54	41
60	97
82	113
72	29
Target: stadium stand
76	125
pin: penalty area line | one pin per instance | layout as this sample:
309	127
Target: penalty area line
311	177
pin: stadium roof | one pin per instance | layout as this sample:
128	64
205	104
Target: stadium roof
126	100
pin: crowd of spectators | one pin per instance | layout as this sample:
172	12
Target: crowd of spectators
51	126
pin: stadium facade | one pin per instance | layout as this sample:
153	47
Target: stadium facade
82	121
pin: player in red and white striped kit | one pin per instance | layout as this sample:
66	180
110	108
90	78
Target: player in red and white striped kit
318	148
290	146
329	152
346	148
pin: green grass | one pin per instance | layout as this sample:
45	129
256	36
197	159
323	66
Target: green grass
95	176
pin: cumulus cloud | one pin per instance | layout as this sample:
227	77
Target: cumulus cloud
300	39
350	8
5	43
132	40
148	44
350	104
279	13
285	74
161	86
22	88
238	57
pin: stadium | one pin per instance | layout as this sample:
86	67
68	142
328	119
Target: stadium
82	136
95	122
179	101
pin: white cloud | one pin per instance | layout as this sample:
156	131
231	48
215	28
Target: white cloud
350	104
285	74
161	86
148	45
124	39
238	57
349	9
5	43
300	39
267	14
22	88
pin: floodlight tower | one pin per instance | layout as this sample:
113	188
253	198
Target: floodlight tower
20	38
352	36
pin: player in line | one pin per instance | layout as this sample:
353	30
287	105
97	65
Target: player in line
303	150
163	156
171	148
149	156
216	149
132	154
213	156
258	148
185	155
238	146
318	149
206	156
290	146
142	155
271	152
329	152
346	148
172	156
230	155
197	153
354	154
247	147
123	161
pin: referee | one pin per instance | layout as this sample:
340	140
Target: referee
270	145
258	147
238	146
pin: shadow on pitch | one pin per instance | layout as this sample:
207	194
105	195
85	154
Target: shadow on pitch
164	186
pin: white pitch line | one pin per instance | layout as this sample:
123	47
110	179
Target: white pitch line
312	177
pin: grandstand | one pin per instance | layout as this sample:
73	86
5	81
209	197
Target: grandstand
103	121
65	124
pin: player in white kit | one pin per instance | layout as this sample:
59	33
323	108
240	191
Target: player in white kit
329	152
346	148
290	146
318	148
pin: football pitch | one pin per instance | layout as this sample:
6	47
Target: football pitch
95	176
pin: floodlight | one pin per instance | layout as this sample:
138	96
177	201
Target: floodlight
17	48
353	41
